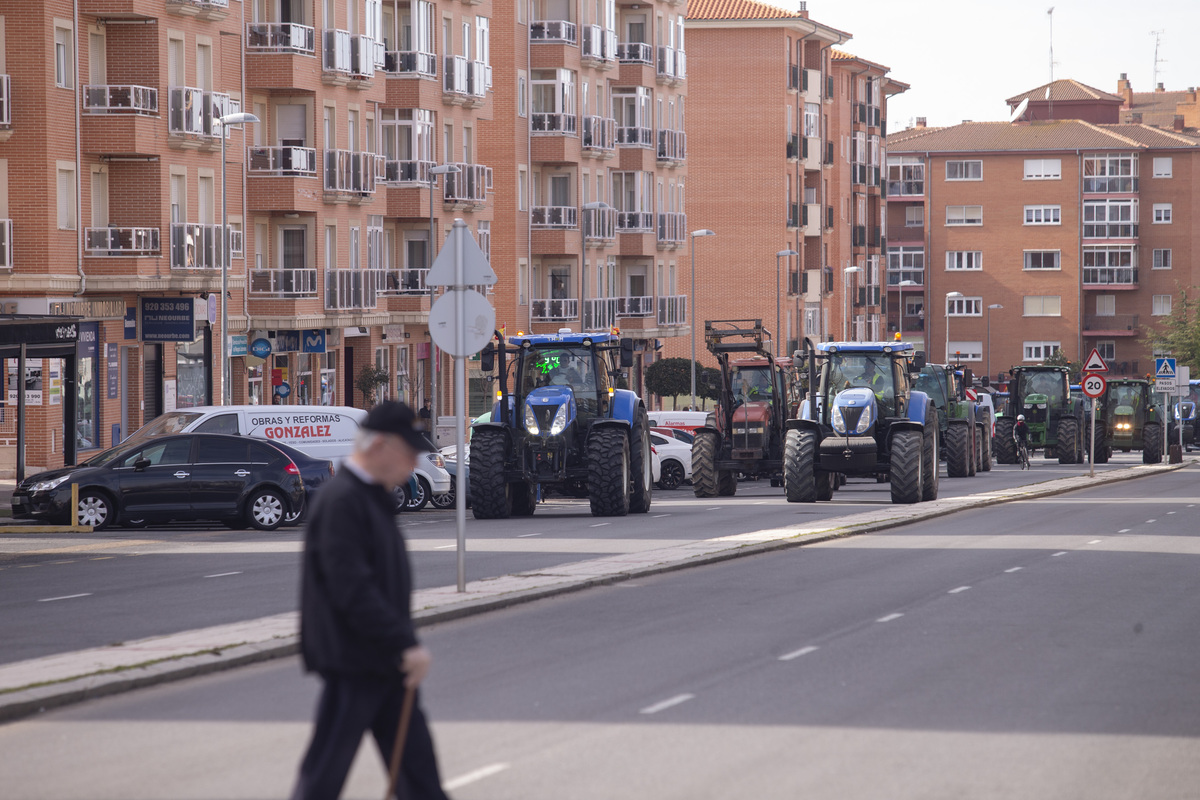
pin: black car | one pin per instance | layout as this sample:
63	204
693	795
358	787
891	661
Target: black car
314	471
233	479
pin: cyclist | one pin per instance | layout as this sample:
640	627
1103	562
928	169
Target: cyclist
1021	434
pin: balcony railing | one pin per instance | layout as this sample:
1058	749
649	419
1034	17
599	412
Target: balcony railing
281	161
406	171
194	112
599	44
635	53
555	310
6	244
672	145
335	52
410	62
121	241
406	281
365	53
284	282
553	31
671	64
599	133
469	185
635	137
638	306
1112	324
554	217
672	310
1110	184
554	124
195	246
353	288
1110	276
5	101
1112	230
350	172
456	78
599	313
635	222
280	37
672	227
201	5
478	79
600	224
120	100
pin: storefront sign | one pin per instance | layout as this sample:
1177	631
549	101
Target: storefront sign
237	345
33	381
287	341
89	337
113	366
312	341
54	381
277	376
212	309
40	333
260	348
170	395
422	350
131	323
168	319
283	390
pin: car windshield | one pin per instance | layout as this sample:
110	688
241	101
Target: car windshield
1047	383
1125	395
927	382
559	367
871	371
112	454
167	424
751	383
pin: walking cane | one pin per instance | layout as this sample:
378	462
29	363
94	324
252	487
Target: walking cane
406	710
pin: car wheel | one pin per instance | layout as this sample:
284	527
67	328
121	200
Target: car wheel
400	494
445	500
671	475
421	498
133	523
294	518
94	509
265	510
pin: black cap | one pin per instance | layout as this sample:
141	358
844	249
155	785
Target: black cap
398	419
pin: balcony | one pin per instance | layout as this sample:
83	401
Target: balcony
464	81
599	46
672	228
193	114
206	9
1115	230
600	224
280	37
120	100
1110	277
600	135
671	65
554	217
1110	184
195	246
283	283
636	306
599	313
365	53
553	124
672	146
113	241
554	310
353	289
635	222
335	55
410	63
635	53
1112	325
405	282
635	137
5	102
556	31
6	244
282	161
467	187
672	310
349	174
398	172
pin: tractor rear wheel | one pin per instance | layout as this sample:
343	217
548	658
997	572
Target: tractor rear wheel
1067	444
977	462
1006	448
640	463
727	481
904	476
491	496
827	484
524	498
799	467
608	472
958	451
1103	452
985	450
1152	443
929	467
704	463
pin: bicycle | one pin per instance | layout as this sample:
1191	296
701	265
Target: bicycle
1022	454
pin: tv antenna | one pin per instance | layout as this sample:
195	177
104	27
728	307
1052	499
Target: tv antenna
1157	42
1050	14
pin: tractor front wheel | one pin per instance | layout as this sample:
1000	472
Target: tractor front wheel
1006	448
799	467
491	496
1152	443
640	464
1067	444
958	451
608	472
929	467
704	463
905	475
985	449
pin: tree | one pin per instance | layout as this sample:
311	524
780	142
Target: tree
1060	359
369	381
669	377
708	383
1179	331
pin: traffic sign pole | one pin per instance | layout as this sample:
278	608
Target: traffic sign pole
460	410
1092	452
1094	386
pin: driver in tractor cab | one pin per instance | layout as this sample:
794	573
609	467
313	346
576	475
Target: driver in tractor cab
751	383
1021	431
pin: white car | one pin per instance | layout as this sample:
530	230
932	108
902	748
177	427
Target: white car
676	458
432	478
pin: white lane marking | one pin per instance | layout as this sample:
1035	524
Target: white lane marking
527	535
64	597
1151	520
889	617
959	589
472	777
600	524
1059	553
803	651
670	702
222	574
445	546
715	508
1014	569
1191	505
1169	513
660	516
1123	530
761	503
1094	541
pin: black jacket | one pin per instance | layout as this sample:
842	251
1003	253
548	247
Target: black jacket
355	599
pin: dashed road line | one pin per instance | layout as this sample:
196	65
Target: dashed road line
670	702
1151	520
1124	530
599	524
1014	569
803	651
223	574
445	546
1169	513
959	590
527	535
472	777
1094	541
715	508
64	597
890	617
1059	553
660	516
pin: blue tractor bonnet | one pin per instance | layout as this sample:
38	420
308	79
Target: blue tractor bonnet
901	348
853	411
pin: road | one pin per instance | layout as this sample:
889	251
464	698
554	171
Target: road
1041	649
60	592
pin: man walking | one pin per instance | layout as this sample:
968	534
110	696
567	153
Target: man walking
356	626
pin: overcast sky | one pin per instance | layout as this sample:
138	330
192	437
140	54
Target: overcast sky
964	57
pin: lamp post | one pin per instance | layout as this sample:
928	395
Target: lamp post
226	393
949	296
781	254
703	232
434	171
901	286
846	286
599	204
997	307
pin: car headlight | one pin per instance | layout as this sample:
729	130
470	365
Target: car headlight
837	420
864	422
45	486
438	460
531	421
560	421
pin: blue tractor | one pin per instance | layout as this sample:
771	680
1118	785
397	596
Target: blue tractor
560	423
863	419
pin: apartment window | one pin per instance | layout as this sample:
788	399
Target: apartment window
522	92
812	119
522	188
967	351
66	197
964	259
64	58
964	215
1162	213
1048	305
1106	305
355	249
964	306
1110	219
1040	351
905	176
1107	174
964	170
1043	259
1107	350
1162	167
1043	215
1161	305
1043	169
1162	259
905	264
330	247
914	216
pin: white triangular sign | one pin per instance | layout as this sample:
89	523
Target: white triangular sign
1095	363
476	269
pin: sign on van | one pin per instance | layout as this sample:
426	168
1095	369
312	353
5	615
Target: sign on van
301	428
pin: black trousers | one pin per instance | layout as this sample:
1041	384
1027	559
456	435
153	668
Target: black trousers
351	705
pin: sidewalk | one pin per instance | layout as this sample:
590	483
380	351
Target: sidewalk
28	687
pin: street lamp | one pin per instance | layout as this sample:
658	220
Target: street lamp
434	171
781	254
703	232
996	306
900	319
226	393
846	286
949	296
599	204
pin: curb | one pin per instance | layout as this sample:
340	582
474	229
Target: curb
22	703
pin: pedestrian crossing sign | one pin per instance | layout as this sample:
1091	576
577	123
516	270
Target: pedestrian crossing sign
1164	368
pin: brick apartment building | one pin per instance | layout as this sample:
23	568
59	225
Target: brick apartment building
786	153
110	197
1057	233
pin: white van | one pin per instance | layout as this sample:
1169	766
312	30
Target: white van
684	420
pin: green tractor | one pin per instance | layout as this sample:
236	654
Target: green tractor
1055	419
1128	418
964	427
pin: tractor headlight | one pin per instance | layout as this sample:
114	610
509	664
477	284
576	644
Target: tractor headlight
837	420
560	421
531	421
45	486
864	422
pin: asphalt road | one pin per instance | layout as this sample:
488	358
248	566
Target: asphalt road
1041	649
62	592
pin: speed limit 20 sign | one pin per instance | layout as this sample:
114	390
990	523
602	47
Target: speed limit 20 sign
1094	385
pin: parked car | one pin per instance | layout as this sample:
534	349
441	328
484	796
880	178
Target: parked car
676	457
684	420
687	437
314	471
232	479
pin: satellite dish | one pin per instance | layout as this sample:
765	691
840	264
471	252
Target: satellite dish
1019	111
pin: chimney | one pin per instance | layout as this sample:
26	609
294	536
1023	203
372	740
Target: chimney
1159	88
1178	122
921	122
1125	89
